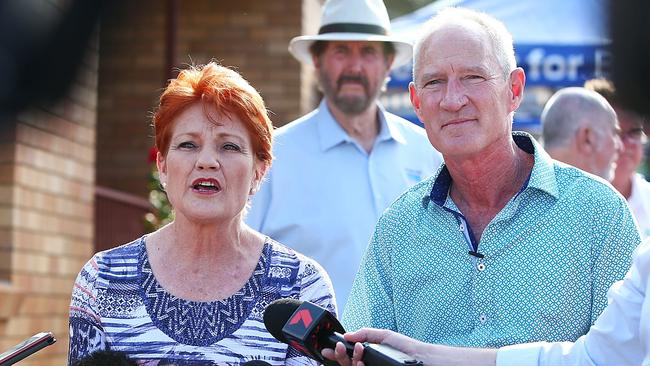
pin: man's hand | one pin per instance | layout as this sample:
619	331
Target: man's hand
400	342
340	355
429	354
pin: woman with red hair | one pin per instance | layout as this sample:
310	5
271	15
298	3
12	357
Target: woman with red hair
194	291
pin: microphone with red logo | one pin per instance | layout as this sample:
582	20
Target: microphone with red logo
310	328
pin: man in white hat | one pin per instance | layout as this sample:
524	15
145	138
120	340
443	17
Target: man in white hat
338	167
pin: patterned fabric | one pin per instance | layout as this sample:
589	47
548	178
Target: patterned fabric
117	303
207	322
325	192
549	257
620	336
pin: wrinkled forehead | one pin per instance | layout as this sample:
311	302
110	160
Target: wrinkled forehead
459	43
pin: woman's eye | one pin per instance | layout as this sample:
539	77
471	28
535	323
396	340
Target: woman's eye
231	147
186	145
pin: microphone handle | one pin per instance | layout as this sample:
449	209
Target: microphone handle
384	355
338	337
375	354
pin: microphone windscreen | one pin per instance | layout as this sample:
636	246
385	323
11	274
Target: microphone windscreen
256	363
277	314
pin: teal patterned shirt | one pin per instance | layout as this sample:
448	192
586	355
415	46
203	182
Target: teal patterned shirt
549	257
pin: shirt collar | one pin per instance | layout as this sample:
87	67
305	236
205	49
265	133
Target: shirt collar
542	177
331	133
389	130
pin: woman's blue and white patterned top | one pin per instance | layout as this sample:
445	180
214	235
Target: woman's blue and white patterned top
117	303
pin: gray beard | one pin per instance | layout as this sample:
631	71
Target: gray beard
352	106
349	105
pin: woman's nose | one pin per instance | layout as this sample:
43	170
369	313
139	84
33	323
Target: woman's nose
207	160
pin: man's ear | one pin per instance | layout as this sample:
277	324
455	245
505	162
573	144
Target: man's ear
586	140
415	99
517	82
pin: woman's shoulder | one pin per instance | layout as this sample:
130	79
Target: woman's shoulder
286	264
282	254
118	259
305	275
126	248
125	252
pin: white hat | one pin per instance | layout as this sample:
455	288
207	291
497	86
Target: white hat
352	20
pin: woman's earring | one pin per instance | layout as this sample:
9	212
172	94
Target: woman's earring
163	185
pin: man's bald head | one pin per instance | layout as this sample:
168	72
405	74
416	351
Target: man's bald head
579	128
572	108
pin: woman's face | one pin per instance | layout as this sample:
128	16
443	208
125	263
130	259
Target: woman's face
633	140
210	169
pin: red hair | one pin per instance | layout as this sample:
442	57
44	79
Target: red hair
225	90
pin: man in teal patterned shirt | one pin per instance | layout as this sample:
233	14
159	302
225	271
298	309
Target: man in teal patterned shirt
503	245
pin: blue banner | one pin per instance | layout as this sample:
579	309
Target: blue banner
547	65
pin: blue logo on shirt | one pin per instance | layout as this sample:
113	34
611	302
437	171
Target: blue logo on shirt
413	175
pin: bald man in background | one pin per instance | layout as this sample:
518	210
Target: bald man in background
580	128
632	185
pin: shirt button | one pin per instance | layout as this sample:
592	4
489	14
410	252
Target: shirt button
481	267
482	318
461	227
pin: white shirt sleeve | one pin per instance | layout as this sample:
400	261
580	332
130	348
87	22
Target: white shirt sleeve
619	337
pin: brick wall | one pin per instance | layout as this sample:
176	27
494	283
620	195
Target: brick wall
252	36
7	177
47	175
310	96
131	73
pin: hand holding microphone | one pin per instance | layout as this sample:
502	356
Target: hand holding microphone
309	329
384	337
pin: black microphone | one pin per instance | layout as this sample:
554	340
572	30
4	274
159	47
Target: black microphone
256	363
310	328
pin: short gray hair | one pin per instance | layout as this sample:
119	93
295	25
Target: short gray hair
499	36
568	110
